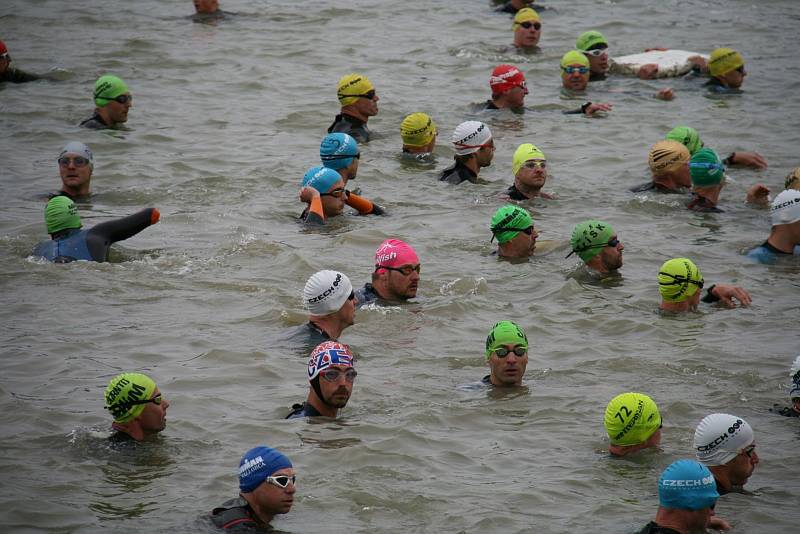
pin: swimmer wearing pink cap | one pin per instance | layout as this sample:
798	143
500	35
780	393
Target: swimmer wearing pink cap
396	274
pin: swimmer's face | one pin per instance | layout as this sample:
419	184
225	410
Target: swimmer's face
508	370
611	257
118	113
528	37
154	417
206	6
574	81
402	286
367	106
336	393
522	245
741	467
515	97
485	154
73	177
347	313
273	499
533	173
599	64
333	201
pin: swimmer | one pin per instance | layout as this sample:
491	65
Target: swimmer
794	393
529	166
506	355
527	29
686	499
137	406
11	74
680	282
513	228
331	304
323	191
333	362
474	146
76	164
792	180
726	445
669	164
208	12
396	275
784	237
633	423
576	74
418	132
69	243
708	178
597	245
112	100
726	68
595	47
339	151
359	102
513	6
689	138
508	88
267	483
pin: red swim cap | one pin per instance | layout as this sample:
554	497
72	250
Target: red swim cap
3	48
504	78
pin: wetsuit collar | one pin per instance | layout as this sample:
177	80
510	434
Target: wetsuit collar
313	326
767	245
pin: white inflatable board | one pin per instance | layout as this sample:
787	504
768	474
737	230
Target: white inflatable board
671	63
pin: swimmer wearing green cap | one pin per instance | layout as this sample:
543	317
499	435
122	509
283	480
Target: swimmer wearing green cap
112	101
633	423
708	178
506	355
208	12
512	226
688	137
597	245
137	406
680	284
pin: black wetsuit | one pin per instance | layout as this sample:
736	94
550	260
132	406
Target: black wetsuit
309	335
366	294
597	76
653	528
95	122
302	410
236	515
458	173
120	437
18	76
785	411
350	125
93	244
490	105
702	205
710	298
515	194
652	186
487	380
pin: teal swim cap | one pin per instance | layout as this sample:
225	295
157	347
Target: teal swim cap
706	168
107	88
687	136
505	333
61	214
589	238
321	178
337	150
687	485
508	221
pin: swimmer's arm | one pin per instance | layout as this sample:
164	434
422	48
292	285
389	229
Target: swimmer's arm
126	227
364	206
315	213
20	76
747	159
727	293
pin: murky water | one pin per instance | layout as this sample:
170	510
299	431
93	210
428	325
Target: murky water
227	118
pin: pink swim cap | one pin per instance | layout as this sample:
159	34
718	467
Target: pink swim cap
394	253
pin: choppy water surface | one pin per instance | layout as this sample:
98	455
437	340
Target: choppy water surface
226	120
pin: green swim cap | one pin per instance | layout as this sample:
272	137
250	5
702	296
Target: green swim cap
679	279
107	88
126	389
574	57
589	238
508	221
631	418
687	136
61	214
505	333
525	152
589	39
706	168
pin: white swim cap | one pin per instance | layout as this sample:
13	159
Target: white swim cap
76	147
786	207
720	437
326	292
470	137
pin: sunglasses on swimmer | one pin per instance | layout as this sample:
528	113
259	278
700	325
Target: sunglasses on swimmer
527	25
332	375
336	193
597	52
405	270
502	352
369	95
122	99
570	70
127	404
281	480
79	161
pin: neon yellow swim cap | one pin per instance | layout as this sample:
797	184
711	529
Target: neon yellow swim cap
123	391
107	88
724	60
679	279
631	418
525	152
351	87
505	333
417	130
525	14
588	39
574	57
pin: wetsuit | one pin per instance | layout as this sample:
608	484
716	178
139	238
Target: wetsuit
95	122
653	528
302	410
786	411
18	76
516	194
702	205
309	335
120	437
350	125
715	86
766	253
458	173
487	380
93	244
236	515
490	105
653	186
366	294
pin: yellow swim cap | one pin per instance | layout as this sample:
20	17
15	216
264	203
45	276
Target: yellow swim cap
631	418
417	130
125	393
679	279
792	180
351	87
724	60
574	57
667	156
525	14
525	152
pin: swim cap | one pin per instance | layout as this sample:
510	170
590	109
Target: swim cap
574	57
589	39
679	279
687	485
706	168
687	136
724	60
792	180
326	292
786	207
257	464
794	373
351	87
508	221
719	438
667	156
631	418
76	147
417	130
326	354
525	152
589	238
3	49
504	78
337	150
525	14
394	253
470	136
107	88
124	389
321	178
61	214
504	333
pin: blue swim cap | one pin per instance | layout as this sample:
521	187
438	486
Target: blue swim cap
687	485
337	150
257	464
321	178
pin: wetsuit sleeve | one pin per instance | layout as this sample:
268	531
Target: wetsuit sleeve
364	206
315	214
100	237
710	298
19	76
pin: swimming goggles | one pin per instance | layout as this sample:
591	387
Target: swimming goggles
332	375
613	242
405	270
597	52
122	99
126	405
519	350
527	25
281	480
570	70
79	161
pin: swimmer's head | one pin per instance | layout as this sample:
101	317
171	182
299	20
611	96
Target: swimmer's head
417	130
326	292
687	485
792	180
127	396
575	69
724	60
470	136
786	207
506	77
320	178
352	87
794	374
679	279
326	354
338	150
107	88
687	136
61	214
508	221
706	168
526	14
525	152
667	156
720	437
76	147
257	464
505	333
589	238
589	39
574	57
395	253
631	418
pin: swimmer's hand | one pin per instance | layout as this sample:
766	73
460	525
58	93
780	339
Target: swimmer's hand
748	159
699	63
592	108
648	72
758	194
727	293
717	523
307	194
668	93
